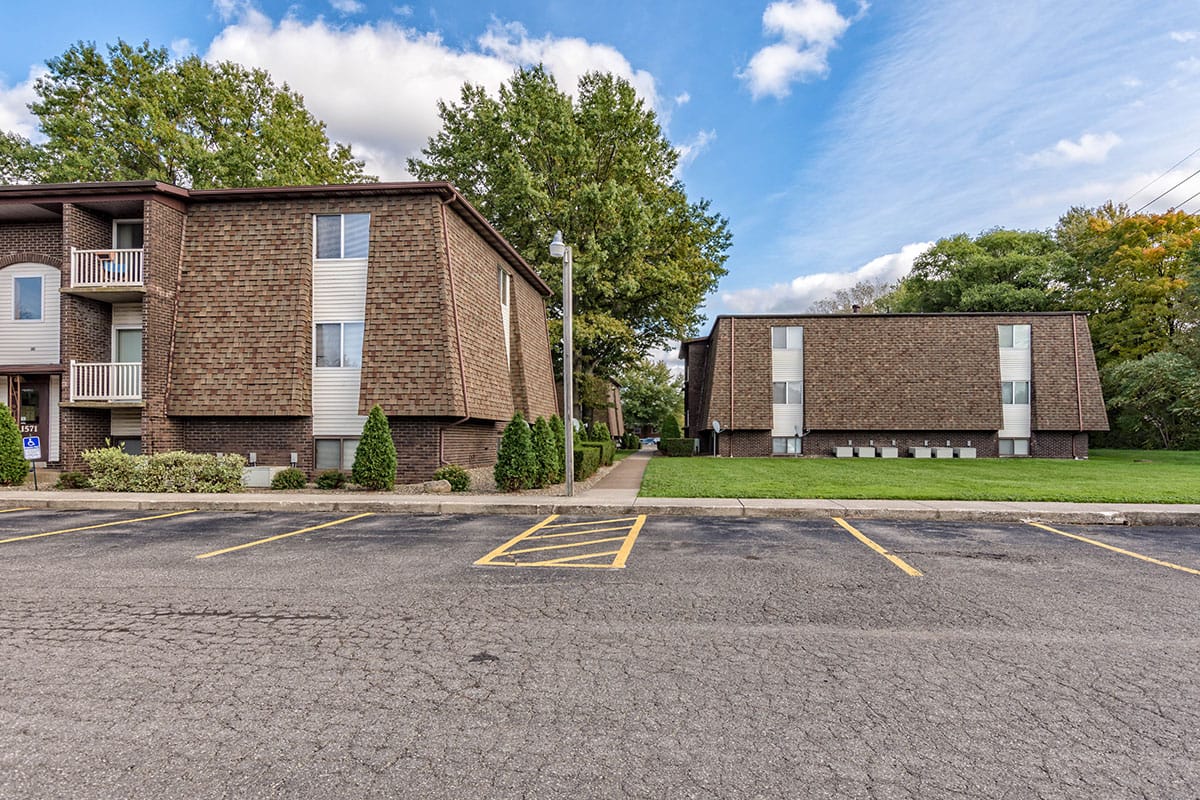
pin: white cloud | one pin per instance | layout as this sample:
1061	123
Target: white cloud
1184	36
347	6
798	295
377	85
682	99
182	48
1090	149
14	105
689	150
809	29
1191	66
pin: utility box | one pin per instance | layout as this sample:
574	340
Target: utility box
943	452
920	452
259	477
864	452
964	452
889	452
844	452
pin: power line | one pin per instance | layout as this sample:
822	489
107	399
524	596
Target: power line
1185	202
1168	191
1160	177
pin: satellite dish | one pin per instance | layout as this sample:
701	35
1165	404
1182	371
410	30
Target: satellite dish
716	426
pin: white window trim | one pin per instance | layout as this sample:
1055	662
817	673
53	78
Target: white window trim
128	221
787	393
117	329
41	317
341	323
1028	393
504	285
341	440
341	215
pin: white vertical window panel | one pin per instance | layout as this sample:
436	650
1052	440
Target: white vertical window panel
787	368
335	402
1016	422
30	341
787	365
1015	364
55	424
787	418
339	291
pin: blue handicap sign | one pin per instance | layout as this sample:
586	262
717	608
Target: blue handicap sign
33	447
33	441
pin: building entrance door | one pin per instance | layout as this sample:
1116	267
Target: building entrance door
33	407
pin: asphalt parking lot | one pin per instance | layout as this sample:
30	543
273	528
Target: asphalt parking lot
208	655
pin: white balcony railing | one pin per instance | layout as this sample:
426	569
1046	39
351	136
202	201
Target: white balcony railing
105	268
106	382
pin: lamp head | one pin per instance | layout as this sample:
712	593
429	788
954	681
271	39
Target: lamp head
557	248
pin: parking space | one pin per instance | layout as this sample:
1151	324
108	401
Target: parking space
553	542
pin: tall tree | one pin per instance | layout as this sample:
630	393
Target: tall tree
650	392
597	167
137	115
999	270
865	294
1154	401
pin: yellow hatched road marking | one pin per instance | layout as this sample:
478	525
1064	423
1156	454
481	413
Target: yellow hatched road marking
1129	553
283	536
10	510
899	562
93	527
504	555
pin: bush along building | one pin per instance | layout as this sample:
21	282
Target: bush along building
266	322
939	385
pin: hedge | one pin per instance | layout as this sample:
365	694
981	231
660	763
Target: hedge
677	447
587	461
114	470
608	450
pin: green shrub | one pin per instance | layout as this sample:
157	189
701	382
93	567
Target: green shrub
544	455
290	478
669	428
331	479
13	466
560	448
678	447
375	460
114	470
459	478
608	451
630	441
72	480
516	465
587	461
598	432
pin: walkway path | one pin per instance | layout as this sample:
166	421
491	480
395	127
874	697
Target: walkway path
622	483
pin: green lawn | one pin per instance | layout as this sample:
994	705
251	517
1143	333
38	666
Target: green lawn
621	454
1126	476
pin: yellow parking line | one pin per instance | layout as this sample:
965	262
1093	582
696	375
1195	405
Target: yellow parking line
93	527
568	559
282	536
504	555
899	562
623	553
9	510
1129	553
564	546
500	550
591	522
576	533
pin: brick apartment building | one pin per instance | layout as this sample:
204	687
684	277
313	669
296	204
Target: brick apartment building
266	321
985	384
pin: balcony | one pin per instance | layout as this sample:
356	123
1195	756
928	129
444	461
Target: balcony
114	275
106	383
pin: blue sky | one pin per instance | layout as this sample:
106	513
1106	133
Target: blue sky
840	138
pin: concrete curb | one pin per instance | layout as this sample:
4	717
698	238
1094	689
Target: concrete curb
535	505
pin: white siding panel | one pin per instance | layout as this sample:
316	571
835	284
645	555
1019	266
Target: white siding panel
127	315
1016	422
787	365
786	418
1015	364
55	426
25	342
125	422
335	402
339	291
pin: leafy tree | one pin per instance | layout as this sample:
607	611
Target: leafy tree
544	453
598	167
375	460
669	428
137	115
516	464
865	294
1154	401
13	466
999	270
650	392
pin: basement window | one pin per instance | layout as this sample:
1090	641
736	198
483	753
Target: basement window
785	445
1014	447
336	454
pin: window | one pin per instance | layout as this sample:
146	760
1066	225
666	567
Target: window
1015	393
27	298
1016	336
342	235
127	347
504	283
336	454
787	392
129	234
789	338
1014	447
785	445
339	344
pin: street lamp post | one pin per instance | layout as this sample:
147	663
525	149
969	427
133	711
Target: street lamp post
563	251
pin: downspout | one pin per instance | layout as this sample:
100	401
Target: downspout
462	370
732	322
1078	383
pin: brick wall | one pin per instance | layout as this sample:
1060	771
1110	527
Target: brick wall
533	370
823	443
273	439
693	391
418	442
472	444
83	229
1058	444
164	232
81	429
36	242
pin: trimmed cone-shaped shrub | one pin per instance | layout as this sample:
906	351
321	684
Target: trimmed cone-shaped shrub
13	466
599	432
669	428
375	460
560	448
516	466
543	453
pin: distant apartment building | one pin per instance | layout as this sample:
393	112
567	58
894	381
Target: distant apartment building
267	322
986	385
